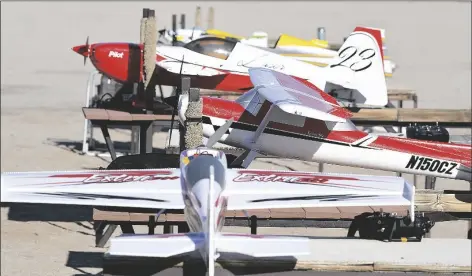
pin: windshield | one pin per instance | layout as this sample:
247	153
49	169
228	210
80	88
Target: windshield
212	46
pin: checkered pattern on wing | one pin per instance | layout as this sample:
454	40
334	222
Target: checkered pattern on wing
216	123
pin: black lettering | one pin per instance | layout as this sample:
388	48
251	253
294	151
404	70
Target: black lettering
434	165
411	164
365	57
441	169
349	52
419	164
426	164
343	54
453	165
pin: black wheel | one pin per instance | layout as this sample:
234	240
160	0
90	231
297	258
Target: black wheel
469	234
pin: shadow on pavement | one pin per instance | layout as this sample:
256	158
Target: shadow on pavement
46	212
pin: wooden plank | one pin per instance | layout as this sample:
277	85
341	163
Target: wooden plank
414	115
106	215
322	213
151	117
434	115
239	214
428	202
401	94
259	213
139	217
175	217
386	114
295	213
95	114
114	115
230	214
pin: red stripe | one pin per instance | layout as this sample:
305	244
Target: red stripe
377	36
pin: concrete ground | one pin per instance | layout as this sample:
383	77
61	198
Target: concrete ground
43	88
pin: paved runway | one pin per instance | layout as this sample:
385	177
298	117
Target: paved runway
223	272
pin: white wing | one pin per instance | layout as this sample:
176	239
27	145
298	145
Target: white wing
118	188
295	97
259	189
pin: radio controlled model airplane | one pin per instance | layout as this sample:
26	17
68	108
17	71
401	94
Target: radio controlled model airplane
354	77
205	189
284	117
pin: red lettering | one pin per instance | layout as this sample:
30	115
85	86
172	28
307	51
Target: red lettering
97	178
248	177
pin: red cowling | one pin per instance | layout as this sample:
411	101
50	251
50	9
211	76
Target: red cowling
120	61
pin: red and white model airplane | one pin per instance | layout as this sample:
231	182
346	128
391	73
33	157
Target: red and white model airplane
355	76
205	189
284	117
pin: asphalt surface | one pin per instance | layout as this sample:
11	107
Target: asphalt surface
223	272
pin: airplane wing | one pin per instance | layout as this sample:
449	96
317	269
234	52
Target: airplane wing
262	189
153	189
295	97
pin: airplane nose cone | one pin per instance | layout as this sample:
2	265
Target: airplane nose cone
81	50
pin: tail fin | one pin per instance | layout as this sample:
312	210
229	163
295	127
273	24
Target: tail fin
262	246
357	72
158	246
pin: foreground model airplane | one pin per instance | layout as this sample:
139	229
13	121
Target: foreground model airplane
284	117
205	189
355	76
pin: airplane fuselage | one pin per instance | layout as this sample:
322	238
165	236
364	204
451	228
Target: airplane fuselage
231	74
341	143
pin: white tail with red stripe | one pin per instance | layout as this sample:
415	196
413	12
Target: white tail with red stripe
357	72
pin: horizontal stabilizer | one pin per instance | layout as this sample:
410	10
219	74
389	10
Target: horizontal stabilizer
158	246
261	246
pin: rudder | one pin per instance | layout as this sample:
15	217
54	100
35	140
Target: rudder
357	72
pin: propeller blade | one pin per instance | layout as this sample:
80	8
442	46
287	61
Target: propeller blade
88	50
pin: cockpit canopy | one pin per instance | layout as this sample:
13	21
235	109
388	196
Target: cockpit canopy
188	155
196	163
212	46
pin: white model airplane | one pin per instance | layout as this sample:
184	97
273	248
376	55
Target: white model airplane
284	117
355	76
317	52
205	189
312	51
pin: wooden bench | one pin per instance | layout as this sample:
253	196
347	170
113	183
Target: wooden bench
106	117
407	116
425	201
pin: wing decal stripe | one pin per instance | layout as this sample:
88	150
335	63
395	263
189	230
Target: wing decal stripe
321	198
273	131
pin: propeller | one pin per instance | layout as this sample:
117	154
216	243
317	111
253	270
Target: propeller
88	50
83	50
177	92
